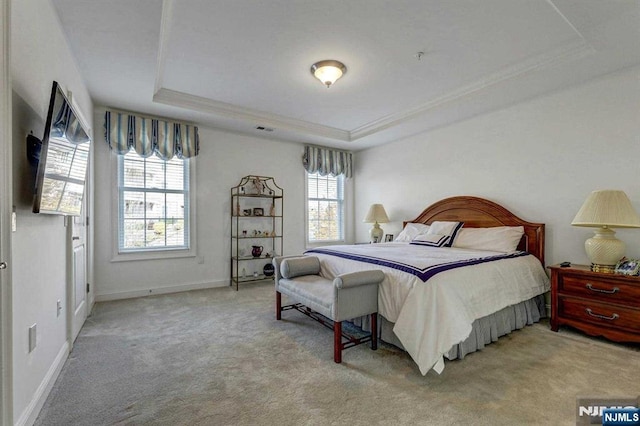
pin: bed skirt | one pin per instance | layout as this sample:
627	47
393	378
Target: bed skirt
484	330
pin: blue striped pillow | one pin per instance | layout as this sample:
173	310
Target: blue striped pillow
450	229
431	240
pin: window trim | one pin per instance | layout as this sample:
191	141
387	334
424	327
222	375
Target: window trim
312	244
117	256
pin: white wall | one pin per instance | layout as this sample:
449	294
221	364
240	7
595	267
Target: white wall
224	159
539	159
39	56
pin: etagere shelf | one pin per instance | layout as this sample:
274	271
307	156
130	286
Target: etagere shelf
256	228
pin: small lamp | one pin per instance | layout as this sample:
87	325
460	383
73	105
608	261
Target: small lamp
376	215
603	210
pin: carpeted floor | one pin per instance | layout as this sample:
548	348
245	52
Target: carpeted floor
219	357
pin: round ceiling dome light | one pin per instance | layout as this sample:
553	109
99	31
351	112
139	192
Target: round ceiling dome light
328	71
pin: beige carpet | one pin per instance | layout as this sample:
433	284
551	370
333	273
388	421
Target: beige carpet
219	357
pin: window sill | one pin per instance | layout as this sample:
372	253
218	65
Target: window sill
153	255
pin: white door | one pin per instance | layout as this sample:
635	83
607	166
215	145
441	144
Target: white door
78	285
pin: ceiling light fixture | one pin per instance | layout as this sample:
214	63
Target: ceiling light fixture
328	71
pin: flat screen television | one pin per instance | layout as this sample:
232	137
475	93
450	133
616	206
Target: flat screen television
64	157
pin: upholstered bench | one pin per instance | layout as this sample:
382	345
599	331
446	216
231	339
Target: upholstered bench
346	297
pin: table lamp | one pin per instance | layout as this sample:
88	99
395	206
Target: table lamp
376	215
603	210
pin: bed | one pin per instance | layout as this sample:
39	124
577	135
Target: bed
443	301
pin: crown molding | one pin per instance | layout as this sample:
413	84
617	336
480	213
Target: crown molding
572	51
206	105
569	52
165	25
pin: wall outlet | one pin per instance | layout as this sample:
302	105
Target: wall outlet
58	308
32	338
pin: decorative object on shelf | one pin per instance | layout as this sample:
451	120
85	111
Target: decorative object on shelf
388	238
268	270
256	232
256	251
376	215
628	267
258	185
328	71
603	210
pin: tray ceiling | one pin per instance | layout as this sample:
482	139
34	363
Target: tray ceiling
241	64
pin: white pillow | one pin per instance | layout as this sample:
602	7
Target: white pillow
431	240
410	231
500	238
450	229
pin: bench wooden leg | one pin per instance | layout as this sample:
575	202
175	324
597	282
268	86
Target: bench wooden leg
374	331
337	342
278	305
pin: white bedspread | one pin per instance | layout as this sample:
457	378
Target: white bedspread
430	317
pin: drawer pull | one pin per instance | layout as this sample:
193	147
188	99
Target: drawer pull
592	288
611	318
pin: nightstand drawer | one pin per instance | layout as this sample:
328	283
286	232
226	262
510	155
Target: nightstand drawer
602	314
601	289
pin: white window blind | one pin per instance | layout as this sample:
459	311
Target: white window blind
153	203
325	208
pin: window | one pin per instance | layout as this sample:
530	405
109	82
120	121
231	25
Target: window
153	204
325	208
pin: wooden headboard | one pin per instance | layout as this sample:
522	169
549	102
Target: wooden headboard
480	213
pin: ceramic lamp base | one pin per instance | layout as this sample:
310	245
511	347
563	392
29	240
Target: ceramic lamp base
376	233
604	249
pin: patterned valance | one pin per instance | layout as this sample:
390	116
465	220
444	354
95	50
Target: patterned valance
147	136
327	161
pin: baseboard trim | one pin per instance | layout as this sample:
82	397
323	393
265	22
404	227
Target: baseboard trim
30	414
105	297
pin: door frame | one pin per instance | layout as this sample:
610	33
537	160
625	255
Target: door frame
85	215
6	209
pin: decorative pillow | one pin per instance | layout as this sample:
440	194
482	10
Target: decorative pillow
431	240
298	266
410	231
449	229
500	238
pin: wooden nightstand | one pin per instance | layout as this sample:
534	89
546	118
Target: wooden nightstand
598	304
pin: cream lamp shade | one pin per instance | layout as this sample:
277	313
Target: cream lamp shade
603	210
376	215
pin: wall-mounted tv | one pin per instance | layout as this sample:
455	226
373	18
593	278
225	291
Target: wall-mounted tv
64	157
